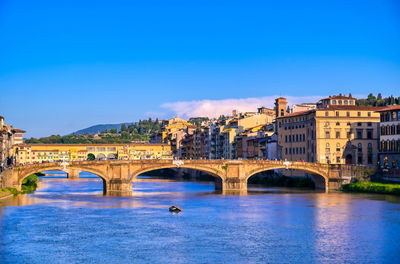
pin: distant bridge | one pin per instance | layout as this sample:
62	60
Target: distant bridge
232	175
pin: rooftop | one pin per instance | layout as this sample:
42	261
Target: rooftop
389	108
351	107
297	114
18	130
338	97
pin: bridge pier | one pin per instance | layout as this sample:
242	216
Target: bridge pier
118	187
234	186
73	174
234	181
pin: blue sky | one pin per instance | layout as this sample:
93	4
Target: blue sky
66	65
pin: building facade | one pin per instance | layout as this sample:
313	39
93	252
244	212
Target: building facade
40	153
337	132
9	136
389	140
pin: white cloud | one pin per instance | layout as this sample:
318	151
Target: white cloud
215	108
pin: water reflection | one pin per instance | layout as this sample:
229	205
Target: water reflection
72	222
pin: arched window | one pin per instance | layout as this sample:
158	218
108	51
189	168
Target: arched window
369	147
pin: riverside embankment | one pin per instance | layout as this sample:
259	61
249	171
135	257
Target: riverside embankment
372	187
29	184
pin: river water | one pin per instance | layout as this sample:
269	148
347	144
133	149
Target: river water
72	222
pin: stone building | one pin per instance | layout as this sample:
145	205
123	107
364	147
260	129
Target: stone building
42	153
337	132
9	136
389	140
303	107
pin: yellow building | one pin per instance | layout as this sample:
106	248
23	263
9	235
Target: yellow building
39	153
337	132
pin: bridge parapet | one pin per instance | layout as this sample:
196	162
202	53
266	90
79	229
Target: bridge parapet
233	174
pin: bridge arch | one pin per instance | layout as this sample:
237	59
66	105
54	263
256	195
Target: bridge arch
320	179
26	173
101	156
215	173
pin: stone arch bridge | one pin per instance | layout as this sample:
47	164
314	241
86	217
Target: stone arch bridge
232	175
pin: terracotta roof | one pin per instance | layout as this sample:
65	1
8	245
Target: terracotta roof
298	113
338	97
18	130
389	108
350	107
93	145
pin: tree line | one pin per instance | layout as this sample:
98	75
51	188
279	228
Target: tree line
378	100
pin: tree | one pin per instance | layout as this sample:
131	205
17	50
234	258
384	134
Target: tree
392	100
379	97
91	156
288	109
124	134
113	131
123	128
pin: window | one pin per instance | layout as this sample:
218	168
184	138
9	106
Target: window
369	158
327	134
346	102
340	102
369	147
286	138
358	113
351	102
369	133
359	124
334	102
326	124
326	113
337	123
337	134
337	159
327	148
359	133
359	147
348	114
369	114
338	147
337	113
349	124
369	124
